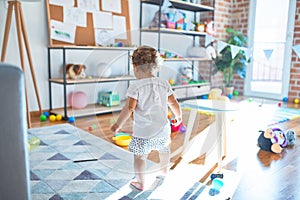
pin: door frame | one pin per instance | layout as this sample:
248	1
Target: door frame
287	54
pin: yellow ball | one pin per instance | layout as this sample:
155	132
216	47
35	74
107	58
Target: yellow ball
169	115
52	118
296	101
171	81
58	117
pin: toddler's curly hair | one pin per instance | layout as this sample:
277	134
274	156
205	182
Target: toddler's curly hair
146	58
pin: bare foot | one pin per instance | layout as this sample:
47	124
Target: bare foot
137	185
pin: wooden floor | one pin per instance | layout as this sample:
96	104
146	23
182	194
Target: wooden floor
263	175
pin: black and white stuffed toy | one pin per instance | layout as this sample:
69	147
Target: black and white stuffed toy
274	139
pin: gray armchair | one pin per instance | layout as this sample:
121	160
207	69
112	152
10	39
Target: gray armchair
14	166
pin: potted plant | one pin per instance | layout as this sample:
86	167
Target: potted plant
228	65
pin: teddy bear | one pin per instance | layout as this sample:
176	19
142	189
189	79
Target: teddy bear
274	139
75	71
216	94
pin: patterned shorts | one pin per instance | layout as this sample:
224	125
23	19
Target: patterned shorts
143	146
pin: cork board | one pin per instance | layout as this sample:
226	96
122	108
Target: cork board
85	36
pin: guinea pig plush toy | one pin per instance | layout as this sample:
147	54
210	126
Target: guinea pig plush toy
274	139
75	71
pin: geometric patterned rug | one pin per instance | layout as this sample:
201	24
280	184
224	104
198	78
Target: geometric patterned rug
284	114
72	164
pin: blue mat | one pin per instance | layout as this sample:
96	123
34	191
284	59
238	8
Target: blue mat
61	167
284	114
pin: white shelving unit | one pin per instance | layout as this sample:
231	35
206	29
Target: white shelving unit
182	91
91	109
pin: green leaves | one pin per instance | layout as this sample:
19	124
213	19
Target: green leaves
224	61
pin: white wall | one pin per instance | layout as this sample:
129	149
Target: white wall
36	25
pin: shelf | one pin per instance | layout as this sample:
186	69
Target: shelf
179	4
173	31
73	47
92	80
91	109
190	85
186	59
192	91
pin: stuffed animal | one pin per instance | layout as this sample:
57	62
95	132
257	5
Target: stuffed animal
163	19
216	94
185	75
75	71
274	139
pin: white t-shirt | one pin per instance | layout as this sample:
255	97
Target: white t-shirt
150	115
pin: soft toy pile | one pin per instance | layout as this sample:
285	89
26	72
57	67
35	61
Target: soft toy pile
275	140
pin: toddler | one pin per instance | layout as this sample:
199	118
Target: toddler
148	98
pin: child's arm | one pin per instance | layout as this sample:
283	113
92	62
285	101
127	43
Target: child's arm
175	107
127	110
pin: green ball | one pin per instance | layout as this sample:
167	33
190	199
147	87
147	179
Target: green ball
250	99
43	118
235	93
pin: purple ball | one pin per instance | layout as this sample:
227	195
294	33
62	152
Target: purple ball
182	129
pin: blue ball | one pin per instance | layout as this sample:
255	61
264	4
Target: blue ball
205	97
229	96
46	114
71	119
285	99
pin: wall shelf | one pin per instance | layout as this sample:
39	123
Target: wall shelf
182	91
187	59
92	80
91	109
179	4
173	31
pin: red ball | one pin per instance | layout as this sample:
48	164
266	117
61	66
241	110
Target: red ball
279	104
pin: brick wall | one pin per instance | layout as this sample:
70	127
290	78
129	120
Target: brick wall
294	87
239	21
234	13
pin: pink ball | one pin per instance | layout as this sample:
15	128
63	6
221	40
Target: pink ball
78	100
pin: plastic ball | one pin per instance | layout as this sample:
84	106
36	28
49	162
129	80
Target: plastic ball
182	129
279	104
78	100
43	118
171	81
250	99
169	115
217	183
235	93
229	96
71	119
296	101
92	127
52	118
58	117
46	114
285	99
205	97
